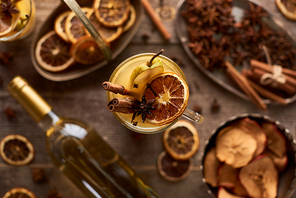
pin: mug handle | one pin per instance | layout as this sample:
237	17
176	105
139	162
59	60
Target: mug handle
193	116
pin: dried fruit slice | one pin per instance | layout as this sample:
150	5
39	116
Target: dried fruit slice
19	192
171	94
227	176
131	19
59	25
171	169
8	19
16	150
74	28
279	162
181	140
236	147
223	193
210	167
288	8
53	53
86	51
112	13
109	34
260	177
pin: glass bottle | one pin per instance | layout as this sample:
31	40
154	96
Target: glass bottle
79	152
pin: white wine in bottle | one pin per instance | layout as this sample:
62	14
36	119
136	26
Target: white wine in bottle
79	152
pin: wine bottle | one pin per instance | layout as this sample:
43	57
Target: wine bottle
78	150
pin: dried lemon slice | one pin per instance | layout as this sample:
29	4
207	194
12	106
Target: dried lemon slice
112	13
171	95
59	25
181	140
131	19
109	34
19	192
172	169
288	8
16	150
53	53
74	28
86	51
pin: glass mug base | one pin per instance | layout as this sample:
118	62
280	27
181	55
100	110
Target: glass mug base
121	76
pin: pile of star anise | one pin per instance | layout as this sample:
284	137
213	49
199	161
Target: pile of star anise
215	36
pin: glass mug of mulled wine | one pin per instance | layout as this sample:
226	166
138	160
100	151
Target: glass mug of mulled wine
17	19
148	93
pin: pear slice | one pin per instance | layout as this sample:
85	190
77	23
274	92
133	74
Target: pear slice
260	177
236	147
210	167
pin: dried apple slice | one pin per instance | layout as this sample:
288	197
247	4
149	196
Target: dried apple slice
223	193
239	189
236	147
210	167
227	176
279	162
260	177
276	140
252	127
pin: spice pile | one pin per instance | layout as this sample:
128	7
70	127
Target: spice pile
214	35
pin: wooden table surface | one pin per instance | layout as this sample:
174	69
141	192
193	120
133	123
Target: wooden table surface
84	98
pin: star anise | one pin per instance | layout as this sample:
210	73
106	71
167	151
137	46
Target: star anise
38	175
5	57
196	47
144	107
211	15
239	56
8	7
254	14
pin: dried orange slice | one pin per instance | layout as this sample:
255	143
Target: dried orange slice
19	192
109	34
181	140
112	13
74	28
16	150
86	51
171	169
7	23
131	19
171	94
288	8
59	25
53	53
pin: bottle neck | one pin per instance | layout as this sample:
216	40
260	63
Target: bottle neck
48	121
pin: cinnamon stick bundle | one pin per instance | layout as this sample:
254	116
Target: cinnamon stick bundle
121	105
245	86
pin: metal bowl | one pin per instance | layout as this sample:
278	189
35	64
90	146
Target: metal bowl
287	178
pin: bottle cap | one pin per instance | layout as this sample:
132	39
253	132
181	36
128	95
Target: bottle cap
30	100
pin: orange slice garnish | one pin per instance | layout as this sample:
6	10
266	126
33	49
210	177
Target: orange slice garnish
53	53
86	51
131	19
16	150
109	34
181	140
19	192
74	28
171	95
59	25
112	13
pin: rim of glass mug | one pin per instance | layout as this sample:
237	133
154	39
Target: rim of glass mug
30	24
189	114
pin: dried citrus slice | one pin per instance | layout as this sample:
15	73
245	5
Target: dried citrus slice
131	19
171	94
112	13
59	25
181	140
7	23
288	8
53	53
86	51
74	28
16	150
109	34
19	192
171	169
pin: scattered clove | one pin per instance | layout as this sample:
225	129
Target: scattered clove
38	175
9	112
215	107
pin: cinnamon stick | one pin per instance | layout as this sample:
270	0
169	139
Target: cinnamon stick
122	102
156	20
245	86
115	88
125	110
289	74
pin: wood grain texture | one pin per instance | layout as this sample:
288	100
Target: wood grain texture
85	99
